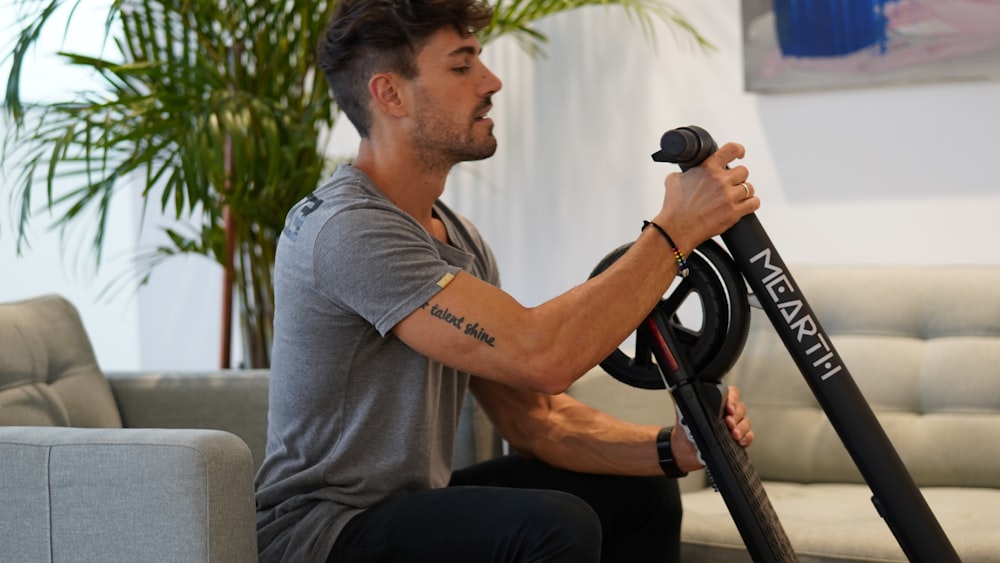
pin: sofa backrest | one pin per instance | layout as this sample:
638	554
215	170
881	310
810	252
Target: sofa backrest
923	346
48	373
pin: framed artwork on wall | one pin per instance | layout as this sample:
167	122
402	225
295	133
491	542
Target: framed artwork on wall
795	45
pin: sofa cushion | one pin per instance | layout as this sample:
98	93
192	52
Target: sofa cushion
923	346
48	373
231	400
831	522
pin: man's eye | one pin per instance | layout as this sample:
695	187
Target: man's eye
461	69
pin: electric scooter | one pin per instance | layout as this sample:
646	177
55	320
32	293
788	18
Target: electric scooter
691	362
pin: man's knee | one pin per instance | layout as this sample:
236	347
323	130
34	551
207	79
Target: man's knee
646	524
562	527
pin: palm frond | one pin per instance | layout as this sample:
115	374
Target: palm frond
211	110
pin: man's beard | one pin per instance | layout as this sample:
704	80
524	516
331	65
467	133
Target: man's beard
442	144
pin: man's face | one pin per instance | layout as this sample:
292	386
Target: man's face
451	94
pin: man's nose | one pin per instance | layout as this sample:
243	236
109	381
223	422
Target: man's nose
491	82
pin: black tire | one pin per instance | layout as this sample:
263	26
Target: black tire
712	349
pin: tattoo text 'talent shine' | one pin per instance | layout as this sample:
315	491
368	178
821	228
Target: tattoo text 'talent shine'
470	329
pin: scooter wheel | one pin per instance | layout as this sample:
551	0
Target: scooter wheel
709	313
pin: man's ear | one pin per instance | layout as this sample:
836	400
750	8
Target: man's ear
385	89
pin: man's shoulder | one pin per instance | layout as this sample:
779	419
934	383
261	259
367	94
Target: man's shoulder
348	187
349	196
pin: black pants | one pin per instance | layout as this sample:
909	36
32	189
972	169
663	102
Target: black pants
512	509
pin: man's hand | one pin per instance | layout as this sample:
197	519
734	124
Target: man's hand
707	199
736	418
684	450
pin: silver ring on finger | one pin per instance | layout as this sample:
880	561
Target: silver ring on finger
746	188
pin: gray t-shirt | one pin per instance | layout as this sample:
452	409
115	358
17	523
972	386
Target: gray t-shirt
355	416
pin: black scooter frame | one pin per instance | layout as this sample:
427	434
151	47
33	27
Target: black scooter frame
896	496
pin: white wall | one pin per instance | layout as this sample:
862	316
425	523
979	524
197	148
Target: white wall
899	174
895	174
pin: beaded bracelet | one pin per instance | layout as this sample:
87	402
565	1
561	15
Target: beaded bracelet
682	266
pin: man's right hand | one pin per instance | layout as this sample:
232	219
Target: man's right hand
706	200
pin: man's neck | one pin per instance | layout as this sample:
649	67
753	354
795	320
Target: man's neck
406	182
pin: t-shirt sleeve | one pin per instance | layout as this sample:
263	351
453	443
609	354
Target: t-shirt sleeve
378	263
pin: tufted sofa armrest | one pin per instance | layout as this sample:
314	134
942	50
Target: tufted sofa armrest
108	495
231	400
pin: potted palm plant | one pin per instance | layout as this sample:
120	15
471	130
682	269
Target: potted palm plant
217	112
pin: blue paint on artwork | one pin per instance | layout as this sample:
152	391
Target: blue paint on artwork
829	28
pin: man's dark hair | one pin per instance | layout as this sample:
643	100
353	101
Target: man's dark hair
369	36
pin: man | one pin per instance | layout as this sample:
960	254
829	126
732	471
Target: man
388	310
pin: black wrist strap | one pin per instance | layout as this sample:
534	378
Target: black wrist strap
667	462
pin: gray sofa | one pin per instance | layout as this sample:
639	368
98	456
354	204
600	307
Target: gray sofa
119	468
161	466
923	344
